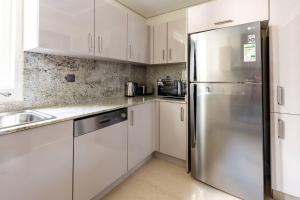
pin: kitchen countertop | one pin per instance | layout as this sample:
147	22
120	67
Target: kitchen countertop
71	112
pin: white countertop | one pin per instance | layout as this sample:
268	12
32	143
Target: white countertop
71	112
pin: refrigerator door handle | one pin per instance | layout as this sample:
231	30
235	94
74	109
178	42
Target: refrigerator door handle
193	116
193	64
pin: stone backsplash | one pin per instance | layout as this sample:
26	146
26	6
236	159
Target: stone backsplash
45	83
175	71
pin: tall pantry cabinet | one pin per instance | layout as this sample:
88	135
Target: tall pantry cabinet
285	95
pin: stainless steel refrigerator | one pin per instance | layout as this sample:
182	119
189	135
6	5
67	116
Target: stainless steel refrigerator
228	106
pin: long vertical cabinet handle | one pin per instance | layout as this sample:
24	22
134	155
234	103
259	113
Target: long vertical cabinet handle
89	41
132	118
193	113
280	95
99	44
163	55
130	51
281	129
170	54
182	114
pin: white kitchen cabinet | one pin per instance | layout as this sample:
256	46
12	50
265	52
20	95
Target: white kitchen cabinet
177	39
285	143
170	42
59	27
110	30
37	163
223	13
160	43
138	39
284	56
173	129
140	133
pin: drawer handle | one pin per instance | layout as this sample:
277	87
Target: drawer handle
224	22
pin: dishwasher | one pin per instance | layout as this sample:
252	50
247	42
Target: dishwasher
100	152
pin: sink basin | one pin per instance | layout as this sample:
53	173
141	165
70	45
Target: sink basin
8	120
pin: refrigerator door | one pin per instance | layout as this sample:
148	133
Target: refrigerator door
227	137
226	55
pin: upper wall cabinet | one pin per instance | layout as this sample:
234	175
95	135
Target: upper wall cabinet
284	55
223	13
110	30
138	39
170	42
59	27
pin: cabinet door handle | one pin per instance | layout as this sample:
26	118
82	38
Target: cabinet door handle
100	44
131	118
280	95
223	22
130	51
182	114
163	54
89	41
170	54
281	129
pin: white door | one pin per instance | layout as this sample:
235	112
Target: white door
140	133
100	158
285	139
37	163
284	59
110	30
66	27
177	38
223	13
138	39
160	43
173	129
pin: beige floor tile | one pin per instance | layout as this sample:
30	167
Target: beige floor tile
161	180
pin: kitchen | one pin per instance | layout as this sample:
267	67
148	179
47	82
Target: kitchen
135	99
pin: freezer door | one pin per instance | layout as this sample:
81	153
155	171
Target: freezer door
227	137
226	55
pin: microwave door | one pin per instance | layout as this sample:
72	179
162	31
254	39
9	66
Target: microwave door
230	54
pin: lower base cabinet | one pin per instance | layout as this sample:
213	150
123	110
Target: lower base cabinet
37	164
285	142
173	129
140	133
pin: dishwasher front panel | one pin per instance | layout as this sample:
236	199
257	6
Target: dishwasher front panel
100	158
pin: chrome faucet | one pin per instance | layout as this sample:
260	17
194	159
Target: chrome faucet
6	94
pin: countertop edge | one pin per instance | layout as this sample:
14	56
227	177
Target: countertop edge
17	129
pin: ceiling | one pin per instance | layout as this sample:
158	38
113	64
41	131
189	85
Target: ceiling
151	8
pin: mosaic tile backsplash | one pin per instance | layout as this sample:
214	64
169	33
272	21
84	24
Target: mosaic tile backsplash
45	83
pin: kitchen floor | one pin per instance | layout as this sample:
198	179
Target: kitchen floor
162	180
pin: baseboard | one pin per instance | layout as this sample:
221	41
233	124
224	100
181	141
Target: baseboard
121	179
176	161
282	196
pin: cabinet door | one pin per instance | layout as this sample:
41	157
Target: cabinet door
173	129
223	13
138	39
66	28
37	163
285	139
177	37
140	133
110	30
160	43
284	56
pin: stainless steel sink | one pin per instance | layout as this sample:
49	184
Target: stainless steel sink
12	119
